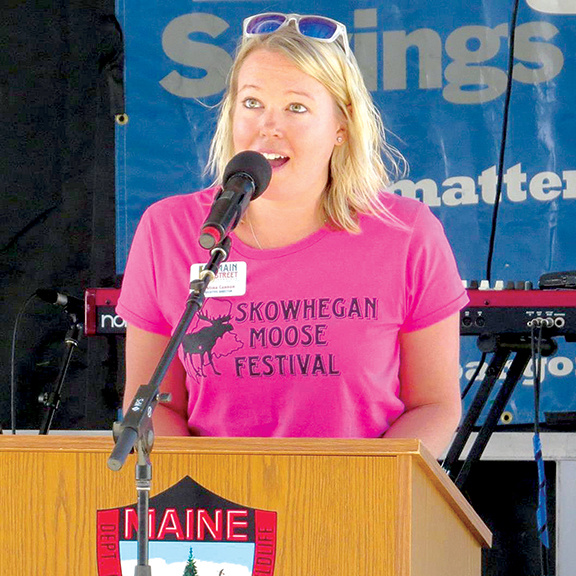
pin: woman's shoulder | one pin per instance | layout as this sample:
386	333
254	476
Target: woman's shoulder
178	211
181	203
401	206
399	212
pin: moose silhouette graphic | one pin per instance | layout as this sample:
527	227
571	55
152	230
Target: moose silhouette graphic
211	338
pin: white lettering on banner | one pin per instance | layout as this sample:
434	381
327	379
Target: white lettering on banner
468	82
467	79
553	6
556	366
213	60
465	72
465	191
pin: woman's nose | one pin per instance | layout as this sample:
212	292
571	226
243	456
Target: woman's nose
270	124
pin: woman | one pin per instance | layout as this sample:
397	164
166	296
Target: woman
348	323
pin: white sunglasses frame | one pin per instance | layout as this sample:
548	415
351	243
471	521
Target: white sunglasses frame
340	31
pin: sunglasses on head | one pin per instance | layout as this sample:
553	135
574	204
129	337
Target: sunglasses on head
317	27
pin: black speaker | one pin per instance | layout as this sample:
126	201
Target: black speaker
505	495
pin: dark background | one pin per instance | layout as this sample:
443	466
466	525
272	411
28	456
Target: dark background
61	88
504	494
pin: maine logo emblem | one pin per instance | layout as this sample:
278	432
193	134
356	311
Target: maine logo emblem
192	532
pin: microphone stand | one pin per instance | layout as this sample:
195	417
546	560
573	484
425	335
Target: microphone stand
52	400
136	430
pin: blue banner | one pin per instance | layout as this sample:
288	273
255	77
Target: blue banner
438	73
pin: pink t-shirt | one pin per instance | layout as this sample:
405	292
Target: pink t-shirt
311	348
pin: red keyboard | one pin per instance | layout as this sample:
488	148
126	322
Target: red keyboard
489	312
517	311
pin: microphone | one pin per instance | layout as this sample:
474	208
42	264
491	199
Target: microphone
69	303
246	177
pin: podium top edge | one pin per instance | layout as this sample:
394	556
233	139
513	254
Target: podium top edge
165	444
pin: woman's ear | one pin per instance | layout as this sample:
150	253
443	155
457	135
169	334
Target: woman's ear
342	132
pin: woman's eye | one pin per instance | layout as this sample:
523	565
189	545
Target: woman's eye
298	108
251	103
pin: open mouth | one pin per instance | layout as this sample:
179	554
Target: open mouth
276	160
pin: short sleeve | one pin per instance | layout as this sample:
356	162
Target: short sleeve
138	303
434	289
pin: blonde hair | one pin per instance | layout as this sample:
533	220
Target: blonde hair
357	173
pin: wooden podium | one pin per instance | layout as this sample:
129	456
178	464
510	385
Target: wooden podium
344	507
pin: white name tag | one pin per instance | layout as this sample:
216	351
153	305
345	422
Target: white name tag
230	280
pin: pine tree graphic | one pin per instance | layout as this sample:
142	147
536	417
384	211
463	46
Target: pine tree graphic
190	568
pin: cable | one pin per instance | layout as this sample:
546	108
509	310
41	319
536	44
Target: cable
502	142
500	178
13	365
536	351
541	514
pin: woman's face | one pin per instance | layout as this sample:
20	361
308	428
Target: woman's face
289	117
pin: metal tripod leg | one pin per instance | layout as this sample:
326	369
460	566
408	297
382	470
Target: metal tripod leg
517	368
492	373
502	346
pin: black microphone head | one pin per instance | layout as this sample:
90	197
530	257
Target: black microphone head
48	295
69	303
255	166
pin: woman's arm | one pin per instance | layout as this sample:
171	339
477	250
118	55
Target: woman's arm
143	352
429	385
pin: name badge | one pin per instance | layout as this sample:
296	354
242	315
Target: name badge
230	280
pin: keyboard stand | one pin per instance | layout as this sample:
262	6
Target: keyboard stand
502	346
